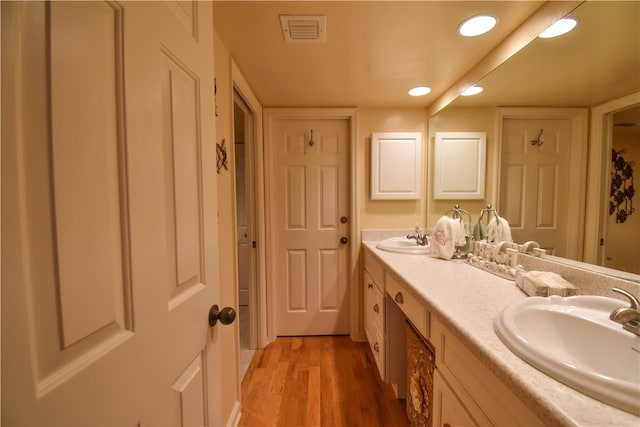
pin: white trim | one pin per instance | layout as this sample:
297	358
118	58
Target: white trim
350	114
577	166
235	415
597	208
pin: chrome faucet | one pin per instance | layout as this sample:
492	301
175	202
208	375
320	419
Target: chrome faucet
421	238
628	317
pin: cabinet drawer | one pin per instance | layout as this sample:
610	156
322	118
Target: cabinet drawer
447	408
378	348
375	268
408	303
373	308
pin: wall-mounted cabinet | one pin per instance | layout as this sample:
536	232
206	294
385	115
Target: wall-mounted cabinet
396	165
459	165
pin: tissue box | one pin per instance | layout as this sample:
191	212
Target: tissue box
544	284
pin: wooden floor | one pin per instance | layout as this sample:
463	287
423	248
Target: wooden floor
317	381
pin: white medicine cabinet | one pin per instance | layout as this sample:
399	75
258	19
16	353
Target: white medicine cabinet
396	165
459	165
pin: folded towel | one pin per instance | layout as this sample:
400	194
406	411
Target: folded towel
479	231
447	234
498	230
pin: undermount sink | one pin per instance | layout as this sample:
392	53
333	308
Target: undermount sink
402	245
573	340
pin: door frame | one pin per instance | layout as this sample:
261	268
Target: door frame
251	208
257	288
597	203
579	117
349	114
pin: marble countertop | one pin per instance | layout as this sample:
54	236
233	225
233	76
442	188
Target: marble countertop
466	300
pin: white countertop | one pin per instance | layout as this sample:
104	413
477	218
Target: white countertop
466	300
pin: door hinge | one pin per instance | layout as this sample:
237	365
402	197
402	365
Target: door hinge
253	244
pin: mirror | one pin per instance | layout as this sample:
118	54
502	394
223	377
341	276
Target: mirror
599	61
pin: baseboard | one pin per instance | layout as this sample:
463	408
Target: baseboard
234	417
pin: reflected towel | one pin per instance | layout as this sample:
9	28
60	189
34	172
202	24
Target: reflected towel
447	234
498	230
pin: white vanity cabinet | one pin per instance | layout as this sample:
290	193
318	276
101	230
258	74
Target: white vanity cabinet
374	311
464	382
465	391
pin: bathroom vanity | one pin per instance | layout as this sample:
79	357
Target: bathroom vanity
477	380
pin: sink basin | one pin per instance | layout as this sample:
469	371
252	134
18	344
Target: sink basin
572	340
402	245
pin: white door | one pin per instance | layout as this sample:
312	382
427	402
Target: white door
309	217
535	180
109	251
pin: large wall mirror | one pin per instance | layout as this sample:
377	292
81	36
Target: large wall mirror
596	64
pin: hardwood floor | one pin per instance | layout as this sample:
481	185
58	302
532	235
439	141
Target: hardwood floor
317	381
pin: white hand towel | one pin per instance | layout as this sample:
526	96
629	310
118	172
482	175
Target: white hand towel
446	234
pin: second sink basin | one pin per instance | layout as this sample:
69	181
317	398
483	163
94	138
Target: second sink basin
573	340
402	245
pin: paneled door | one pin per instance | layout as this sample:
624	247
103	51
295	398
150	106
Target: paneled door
535	180
109	242
309	218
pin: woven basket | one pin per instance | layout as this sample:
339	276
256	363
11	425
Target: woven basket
420	367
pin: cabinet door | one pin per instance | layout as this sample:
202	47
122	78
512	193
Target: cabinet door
448	411
396	165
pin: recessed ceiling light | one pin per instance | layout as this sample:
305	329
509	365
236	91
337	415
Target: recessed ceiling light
559	28
419	91
473	90
477	25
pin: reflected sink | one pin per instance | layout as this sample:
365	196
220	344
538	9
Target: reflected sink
572	340
402	245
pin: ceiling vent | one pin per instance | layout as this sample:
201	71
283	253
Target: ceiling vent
304	28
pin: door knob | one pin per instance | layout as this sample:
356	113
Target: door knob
344	240
226	316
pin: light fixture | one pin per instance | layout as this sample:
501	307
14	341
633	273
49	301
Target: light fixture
473	90
477	25
419	91
559	28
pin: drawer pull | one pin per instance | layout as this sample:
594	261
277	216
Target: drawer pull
376	347
370	285
376	308
399	298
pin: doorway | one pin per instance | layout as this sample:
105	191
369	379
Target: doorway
244	144
623	220
309	220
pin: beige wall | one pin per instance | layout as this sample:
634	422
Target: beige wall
226	226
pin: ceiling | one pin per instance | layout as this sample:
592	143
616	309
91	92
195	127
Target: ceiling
375	51
595	63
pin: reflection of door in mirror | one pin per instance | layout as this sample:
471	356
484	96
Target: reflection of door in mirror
537	178
622	251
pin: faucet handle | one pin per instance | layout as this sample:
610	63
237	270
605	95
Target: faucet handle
635	304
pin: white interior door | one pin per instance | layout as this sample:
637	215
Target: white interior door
309	197
535	180
108	184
